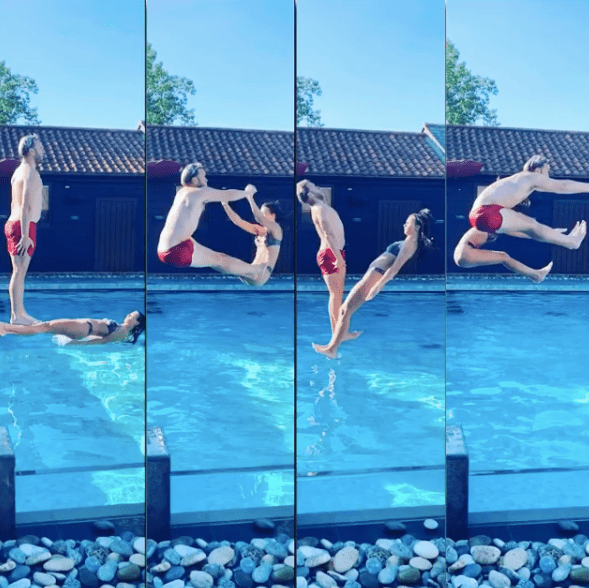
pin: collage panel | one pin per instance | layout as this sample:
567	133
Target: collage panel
72	161
370	292
517	293
220	295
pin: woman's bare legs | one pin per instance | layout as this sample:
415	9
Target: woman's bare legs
354	301
72	328
516	221
470	257
225	264
335	284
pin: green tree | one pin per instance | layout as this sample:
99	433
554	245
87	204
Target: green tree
306	90
467	95
15	97
166	95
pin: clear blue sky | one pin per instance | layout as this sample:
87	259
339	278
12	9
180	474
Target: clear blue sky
380	63
536	50
87	57
240	55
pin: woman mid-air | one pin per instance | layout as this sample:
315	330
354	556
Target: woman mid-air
383	269
85	331
268	237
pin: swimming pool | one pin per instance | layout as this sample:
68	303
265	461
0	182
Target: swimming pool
517	383
71	409
370	424
220	384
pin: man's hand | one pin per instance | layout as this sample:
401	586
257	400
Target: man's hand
23	245
339	263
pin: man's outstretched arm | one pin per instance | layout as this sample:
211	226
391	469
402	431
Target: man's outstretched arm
547	184
213	195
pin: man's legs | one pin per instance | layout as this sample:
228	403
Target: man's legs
335	284
516	221
16	290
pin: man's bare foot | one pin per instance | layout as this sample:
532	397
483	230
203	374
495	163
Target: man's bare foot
353	335
24	319
578	234
325	350
541	273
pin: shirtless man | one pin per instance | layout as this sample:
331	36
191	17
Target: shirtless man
21	227
492	210
176	246
331	258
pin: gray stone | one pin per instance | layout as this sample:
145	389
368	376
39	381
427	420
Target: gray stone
22	583
262	573
201	579
561	573
122	547
426	549
498	580
59	564
174	573
580	575
106	572
485	554
43	579
18	573
515	558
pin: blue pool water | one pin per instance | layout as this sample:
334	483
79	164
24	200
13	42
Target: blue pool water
74	407
517	382
220	384
379	406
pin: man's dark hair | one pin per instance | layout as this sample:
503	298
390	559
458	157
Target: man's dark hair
535	162
189	172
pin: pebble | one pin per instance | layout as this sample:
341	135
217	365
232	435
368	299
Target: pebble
515	559
561	573
172	584
430	524
485	554
106	572
140	545
201	579
420	563
324	580
261	574
499	580
426	549
318	560
43	579
59	564
580	575
22	583
388	574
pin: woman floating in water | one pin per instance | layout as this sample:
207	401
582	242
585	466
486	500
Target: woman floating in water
85	331
468	253
268	237
383	269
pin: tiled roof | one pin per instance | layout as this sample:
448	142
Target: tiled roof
224	151
74	150
368	153
505	150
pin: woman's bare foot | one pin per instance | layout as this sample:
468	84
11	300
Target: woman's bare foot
578	234
24	319
541	273
325	350
353	335
3	330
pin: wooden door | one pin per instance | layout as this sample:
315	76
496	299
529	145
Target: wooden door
115	234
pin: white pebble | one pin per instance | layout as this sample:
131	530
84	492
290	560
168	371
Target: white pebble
430	524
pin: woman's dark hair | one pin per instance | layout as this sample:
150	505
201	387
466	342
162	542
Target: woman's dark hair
423	219
137	329
275	209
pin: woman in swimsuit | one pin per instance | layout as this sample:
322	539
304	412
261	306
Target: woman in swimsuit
468	253
268	237
85	331
383	269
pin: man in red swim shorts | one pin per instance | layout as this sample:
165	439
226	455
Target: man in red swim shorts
492	211
331	258
21	227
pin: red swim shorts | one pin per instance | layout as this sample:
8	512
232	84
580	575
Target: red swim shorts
14	234
326	261
486	218
179	255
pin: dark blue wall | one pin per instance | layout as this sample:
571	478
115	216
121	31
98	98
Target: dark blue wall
66	244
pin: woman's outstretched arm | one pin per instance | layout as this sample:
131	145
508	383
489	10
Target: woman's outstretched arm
272	226
237	220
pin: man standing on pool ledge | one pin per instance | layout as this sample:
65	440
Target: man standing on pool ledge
176	246
21	227
331	258
492	210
